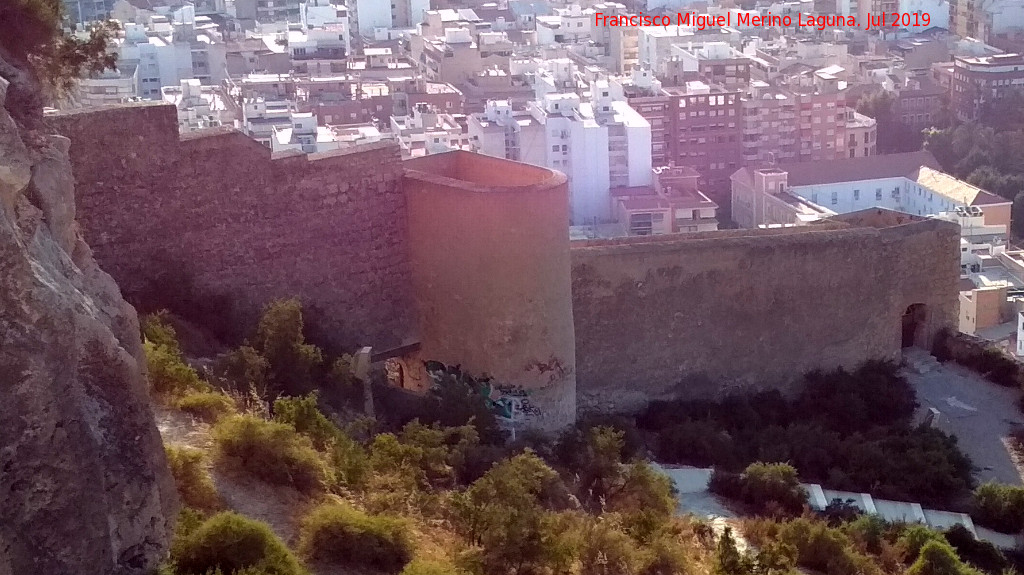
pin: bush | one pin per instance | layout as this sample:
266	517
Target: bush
773	482
339	534
981	554
938	558
294	364
207	406
350	464
244	368
271	451
914	538
168	372
424	567
505	513
157	329
1000	507
233	543
764	486
818	546
193	482
303	414
848	430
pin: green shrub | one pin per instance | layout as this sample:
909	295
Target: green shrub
505	513
294	364
271	451
193	482
818	546
981	554
425	567
244	368
645	498
848	430
233	544
763	486
350	464
773	482
157	329
168	372
1000	507
305	416
938	558
207	406
916	537
606	550
339	534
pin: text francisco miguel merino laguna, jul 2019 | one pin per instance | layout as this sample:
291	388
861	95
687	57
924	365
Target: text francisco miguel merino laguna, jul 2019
745	19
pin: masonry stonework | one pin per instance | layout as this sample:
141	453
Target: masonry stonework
215	209
703	315
489	248
469	256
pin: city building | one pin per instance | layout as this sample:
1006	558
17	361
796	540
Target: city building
673	204
429	131
199	106
985	19
911	183
303	134
695	124
167	51
88	10
369	15
107	87
861	134
978	81
599	144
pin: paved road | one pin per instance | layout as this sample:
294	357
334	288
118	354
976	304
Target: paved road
979	413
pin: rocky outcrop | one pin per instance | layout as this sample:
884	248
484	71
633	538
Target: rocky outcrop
84	484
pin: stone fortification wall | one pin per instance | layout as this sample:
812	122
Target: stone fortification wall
700	316
213	209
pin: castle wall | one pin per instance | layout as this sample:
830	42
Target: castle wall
701	316
214	209
489	247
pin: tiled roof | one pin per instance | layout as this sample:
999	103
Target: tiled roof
956	190
856	169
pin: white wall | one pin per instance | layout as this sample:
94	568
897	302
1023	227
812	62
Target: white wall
937	10
861	195
588	173
373	14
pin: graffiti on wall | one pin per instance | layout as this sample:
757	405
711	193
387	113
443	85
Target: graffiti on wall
510	404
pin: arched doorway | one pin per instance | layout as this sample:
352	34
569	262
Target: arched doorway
913	323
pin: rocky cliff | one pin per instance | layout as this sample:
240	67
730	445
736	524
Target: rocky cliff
84	484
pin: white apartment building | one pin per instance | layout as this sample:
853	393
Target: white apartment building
598	144
370	15
428	131
198	106
166	53
303	135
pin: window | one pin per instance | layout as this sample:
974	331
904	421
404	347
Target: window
835	198
856	195
554	148
878	194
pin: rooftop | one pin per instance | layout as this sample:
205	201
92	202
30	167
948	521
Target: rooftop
859	169
957	190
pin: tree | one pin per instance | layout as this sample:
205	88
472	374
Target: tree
728	559
1017	215
893	135
294	364
504	512
41	60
